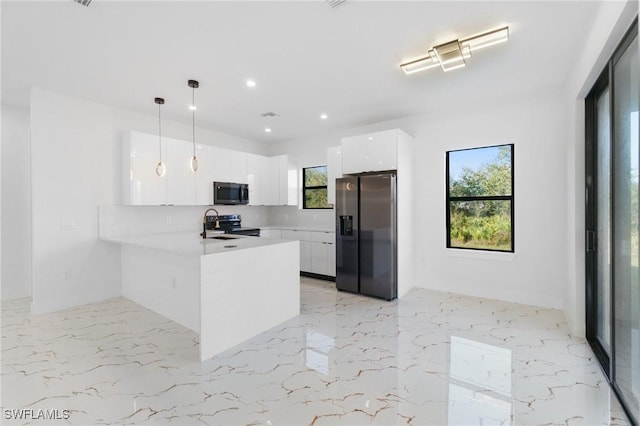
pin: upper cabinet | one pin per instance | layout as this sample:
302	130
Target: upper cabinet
334	171
141	184
273	181
239	167
371	152
283	182
181	181
258	179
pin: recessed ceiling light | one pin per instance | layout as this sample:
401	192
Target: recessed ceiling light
251	83
267	129
193	107
324	116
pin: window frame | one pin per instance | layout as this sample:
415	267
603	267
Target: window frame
305	187
449	199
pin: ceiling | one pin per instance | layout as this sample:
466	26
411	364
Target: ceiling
305	57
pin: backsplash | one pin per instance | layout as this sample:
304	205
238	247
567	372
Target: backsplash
293	216
139	220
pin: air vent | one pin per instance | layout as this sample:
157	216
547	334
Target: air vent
335	3
83	2
269	114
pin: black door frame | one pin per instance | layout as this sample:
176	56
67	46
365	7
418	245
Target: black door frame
591	217
605	80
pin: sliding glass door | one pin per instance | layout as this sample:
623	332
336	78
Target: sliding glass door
612	216
598	220
626	294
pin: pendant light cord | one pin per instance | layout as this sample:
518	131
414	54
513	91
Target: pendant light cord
160	132
193	118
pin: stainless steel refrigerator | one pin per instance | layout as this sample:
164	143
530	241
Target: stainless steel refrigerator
366	250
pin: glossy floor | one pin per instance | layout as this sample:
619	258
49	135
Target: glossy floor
430	358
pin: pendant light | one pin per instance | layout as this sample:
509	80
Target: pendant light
194	85
160	168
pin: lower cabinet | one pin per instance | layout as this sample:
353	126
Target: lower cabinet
317	249
323	253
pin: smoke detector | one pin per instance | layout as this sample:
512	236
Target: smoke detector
335	3
83	2
269	114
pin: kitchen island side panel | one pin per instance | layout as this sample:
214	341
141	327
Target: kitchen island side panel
166	283
244	295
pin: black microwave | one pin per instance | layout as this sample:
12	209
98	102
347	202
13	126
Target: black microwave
230	193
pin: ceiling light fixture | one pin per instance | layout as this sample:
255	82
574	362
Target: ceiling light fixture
335	3
160	168
267	129
324	116
451	55
251	83
193	163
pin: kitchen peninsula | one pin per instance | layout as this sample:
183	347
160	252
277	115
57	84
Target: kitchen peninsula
227	290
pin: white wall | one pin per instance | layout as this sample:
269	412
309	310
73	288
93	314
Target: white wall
304	153
536	273
74	164
16	204
75	156
613	19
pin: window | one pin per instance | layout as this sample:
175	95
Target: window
480	198
314	188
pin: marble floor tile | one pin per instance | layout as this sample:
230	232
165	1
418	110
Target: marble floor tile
430	358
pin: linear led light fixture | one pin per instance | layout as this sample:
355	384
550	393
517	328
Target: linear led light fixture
335	3
451	55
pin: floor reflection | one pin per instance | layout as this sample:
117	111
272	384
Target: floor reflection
480	383
317	351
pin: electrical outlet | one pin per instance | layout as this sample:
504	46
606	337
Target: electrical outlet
174	282
67	275
68	224
168	220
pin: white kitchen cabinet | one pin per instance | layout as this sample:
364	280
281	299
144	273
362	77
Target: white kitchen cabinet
354	155
205	175
238	167
222	165
283	182
305	246
273	180
323	254
181	181
305	256
140	184
334	171
258	179
370	152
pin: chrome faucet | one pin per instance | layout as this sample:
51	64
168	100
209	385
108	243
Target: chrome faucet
204	222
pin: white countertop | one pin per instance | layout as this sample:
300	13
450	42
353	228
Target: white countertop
190	244
299	228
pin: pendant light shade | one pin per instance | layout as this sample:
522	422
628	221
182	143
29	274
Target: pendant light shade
161	169
193	163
